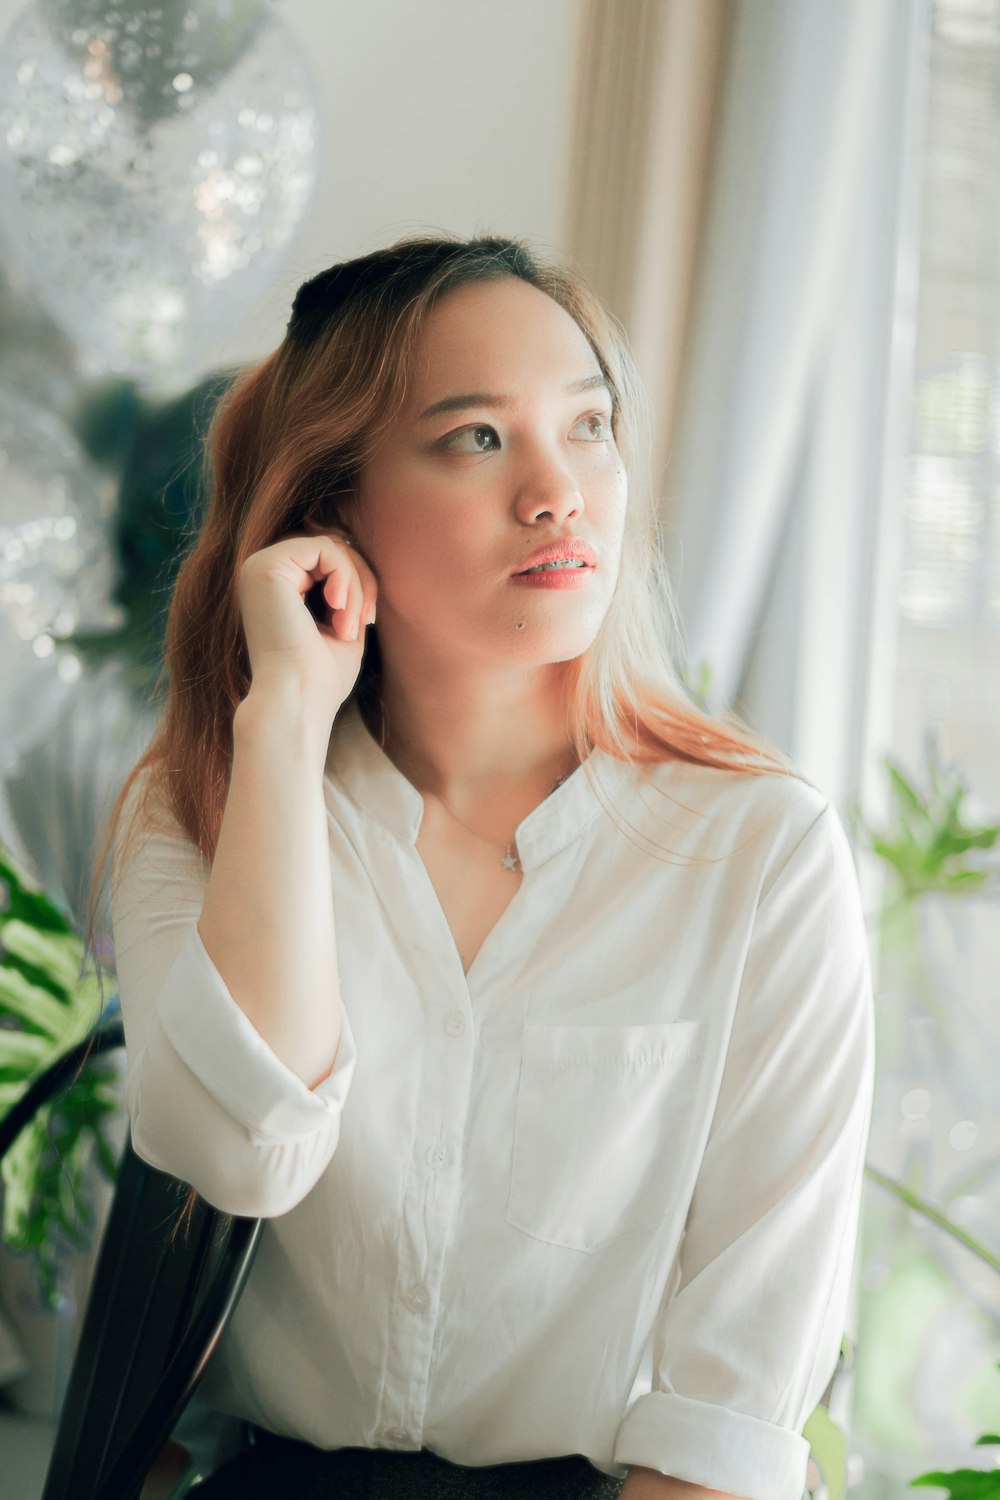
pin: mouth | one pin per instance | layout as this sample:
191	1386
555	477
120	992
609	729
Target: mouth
570	577
557	565
565	552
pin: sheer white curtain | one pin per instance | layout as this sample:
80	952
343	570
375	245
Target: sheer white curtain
788	423
648	75
783	420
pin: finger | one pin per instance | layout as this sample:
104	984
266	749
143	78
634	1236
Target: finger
367	589
337	587
347	580
335	565
349	618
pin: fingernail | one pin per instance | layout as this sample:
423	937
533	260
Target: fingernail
354	632
370	616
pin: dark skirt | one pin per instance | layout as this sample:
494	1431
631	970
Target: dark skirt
278	1468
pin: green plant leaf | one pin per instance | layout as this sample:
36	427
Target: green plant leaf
22	1055
44	1173
829	1448
967	1484
964	1484
928	842
34	1007
19	1170
26	900
55	954
908	797
967	877
52	1006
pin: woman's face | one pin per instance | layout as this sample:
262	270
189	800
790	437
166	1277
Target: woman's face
454	500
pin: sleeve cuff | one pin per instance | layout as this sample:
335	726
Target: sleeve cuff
227	1054
713	1446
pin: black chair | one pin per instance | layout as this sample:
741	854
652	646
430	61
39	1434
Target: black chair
158	1303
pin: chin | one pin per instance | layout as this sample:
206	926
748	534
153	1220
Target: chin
551	646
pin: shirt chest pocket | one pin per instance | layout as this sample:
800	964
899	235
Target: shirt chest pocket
601	1118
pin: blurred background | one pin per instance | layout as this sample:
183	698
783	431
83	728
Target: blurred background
793	206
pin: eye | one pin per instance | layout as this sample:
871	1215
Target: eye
452	440
599	426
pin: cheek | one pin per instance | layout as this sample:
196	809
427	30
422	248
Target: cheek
432	561
621	479
606	464
608	484
397	516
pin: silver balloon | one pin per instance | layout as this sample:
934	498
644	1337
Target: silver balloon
36	357
57	566
156	161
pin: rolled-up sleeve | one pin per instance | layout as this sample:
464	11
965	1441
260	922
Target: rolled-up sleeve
208	1100
746	1346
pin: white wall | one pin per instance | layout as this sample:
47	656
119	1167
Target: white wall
450	114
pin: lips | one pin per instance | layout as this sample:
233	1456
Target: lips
569	547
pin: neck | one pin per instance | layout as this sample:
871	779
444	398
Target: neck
509	754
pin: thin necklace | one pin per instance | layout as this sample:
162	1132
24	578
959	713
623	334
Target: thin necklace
509	860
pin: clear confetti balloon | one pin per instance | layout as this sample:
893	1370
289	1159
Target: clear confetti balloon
66	783
36	357
156	161
57	566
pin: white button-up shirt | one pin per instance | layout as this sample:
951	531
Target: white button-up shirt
601	1195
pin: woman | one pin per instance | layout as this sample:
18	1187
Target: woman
407	968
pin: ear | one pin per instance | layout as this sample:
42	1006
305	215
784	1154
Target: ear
313	527
332	513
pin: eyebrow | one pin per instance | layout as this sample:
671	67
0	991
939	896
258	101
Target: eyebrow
481	398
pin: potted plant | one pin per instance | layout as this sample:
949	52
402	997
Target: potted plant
47	1006
967	1484
940	850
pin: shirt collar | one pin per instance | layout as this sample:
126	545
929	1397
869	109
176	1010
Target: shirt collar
360	767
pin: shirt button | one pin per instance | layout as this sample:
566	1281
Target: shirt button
437	1155
398	1434
417	1298
455	1023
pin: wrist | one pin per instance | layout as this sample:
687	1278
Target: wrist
284	711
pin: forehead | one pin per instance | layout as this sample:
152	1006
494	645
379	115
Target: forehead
501	336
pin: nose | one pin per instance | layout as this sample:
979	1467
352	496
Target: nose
548	487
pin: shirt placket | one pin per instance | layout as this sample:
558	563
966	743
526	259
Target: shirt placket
430	1204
